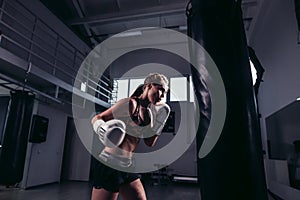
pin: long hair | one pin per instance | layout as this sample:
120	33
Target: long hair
138	91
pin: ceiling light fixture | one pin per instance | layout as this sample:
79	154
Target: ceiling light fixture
128	34
182	28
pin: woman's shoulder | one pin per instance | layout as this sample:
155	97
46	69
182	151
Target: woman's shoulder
126	103
132	100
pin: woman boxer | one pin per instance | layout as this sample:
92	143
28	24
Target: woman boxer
120	128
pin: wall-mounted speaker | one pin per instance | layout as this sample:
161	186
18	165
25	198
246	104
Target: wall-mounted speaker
39	128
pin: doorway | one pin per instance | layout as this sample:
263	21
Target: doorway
76	159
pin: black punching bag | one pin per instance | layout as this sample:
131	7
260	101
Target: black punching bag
234	167
13	152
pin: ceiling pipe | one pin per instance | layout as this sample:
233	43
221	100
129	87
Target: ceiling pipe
131	15
80	12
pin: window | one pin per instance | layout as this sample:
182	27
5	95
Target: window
134	83
192	96
122	89
178	89
181	88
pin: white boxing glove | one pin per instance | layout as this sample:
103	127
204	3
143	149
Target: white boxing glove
111	133
158	115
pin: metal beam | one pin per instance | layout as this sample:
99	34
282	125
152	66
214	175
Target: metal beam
249	3
29	88
78	7
118	4
132	14
177	28
9	57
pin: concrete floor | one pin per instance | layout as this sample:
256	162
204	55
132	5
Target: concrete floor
74	190
82	191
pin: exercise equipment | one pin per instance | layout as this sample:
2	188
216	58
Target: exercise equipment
111	133
234	168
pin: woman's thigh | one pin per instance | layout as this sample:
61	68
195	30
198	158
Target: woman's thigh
102	194
133	191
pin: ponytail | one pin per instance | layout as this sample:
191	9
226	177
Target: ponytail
138	91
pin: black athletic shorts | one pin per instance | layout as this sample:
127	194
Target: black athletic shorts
111	179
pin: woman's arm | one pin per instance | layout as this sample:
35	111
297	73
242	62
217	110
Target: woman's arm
118	110
151	140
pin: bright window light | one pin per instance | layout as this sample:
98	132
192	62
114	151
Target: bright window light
122	89
192	97
178	89
253	72
126	87
134	83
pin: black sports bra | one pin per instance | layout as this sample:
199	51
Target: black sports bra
136	117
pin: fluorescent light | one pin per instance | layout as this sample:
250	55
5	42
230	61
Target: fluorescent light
128	34
298	99
181	178
182	28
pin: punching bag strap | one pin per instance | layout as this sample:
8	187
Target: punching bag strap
189	15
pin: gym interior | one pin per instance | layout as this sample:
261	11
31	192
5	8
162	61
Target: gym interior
61	62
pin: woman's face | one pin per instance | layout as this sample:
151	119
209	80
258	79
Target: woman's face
156	93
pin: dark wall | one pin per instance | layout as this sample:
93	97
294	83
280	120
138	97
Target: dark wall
4	100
